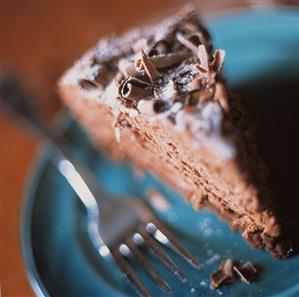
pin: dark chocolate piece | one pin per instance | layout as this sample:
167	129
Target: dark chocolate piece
133	89
223	275
168	60
247	272
149	67
160	106
96	78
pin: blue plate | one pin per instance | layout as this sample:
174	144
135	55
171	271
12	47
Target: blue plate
59	258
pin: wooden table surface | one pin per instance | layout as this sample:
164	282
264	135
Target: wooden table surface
39	40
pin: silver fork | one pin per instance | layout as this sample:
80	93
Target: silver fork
117	228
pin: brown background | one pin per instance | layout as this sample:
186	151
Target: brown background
39	40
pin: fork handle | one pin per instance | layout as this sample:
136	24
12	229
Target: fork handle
18	101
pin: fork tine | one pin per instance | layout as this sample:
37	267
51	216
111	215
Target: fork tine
160	254
166	237
144	263
126	268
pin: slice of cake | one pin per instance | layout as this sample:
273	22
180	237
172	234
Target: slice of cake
156	96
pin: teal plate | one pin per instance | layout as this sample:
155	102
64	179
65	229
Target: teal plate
59	258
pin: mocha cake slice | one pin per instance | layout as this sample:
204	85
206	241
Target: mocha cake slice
156	96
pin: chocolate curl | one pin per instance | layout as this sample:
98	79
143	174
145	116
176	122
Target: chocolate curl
223	275
203	57
146	64
133	89
164	61
126	68
247	272
191	41
221	96
218	59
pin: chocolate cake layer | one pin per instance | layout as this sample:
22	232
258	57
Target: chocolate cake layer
156	97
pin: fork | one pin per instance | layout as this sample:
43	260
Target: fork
119	229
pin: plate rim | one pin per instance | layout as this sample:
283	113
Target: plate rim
31	182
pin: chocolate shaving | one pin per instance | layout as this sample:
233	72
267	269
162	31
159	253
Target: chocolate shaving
132	89
203	57
183	39
247	272
96	78
164	61
223	275
221	96
146	64
87	84
218	59
160	106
